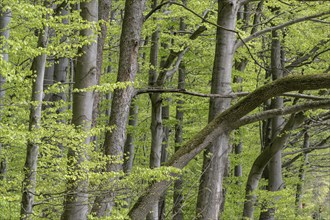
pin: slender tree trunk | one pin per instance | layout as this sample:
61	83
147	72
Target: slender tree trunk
5	17
302	172
156	113
30	166
275	181
61	68
178	196
129	143
216	155
104	9
76	201
163	159
128	66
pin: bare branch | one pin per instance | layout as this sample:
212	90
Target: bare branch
231	95
257	34
276	112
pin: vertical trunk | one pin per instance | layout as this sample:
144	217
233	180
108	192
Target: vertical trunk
4	32
216	155
301	174
30	166
48	81
61	68
76	201
156	113
163	159
178	197
128	64
275	181
129	143
103	16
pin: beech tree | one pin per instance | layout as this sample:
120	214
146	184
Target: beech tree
130	109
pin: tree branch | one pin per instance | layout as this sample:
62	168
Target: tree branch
276	112
231	95
257	34
225	122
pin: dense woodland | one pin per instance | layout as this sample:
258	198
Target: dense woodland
136	109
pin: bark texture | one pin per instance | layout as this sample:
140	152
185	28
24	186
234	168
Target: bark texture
275	181
210	195
76	201
128	66
32	151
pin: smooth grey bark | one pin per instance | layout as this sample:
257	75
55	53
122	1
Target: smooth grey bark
48	81
301	175
32	150
210	195
226	121
61	68
277	143
156	103
104	8
5	18
129	143
76	200
128	66
275	181
164	155
177	213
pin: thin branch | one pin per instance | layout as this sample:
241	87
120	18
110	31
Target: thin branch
320	145
231	95
283	111
257	34
188	9
183	91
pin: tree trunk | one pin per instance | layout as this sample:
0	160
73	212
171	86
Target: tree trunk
210	194
262	160
129	143
5	17
104	8
275	181
163	159
128	65
302	172
178	196
30	166
76	201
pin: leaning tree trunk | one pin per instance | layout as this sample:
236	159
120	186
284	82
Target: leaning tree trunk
216	155
30	166
128	66
5	17
262	160
76	201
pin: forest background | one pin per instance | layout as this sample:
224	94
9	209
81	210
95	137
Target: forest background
192	109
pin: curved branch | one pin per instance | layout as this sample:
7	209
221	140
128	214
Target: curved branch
188	9
257	34
225	122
